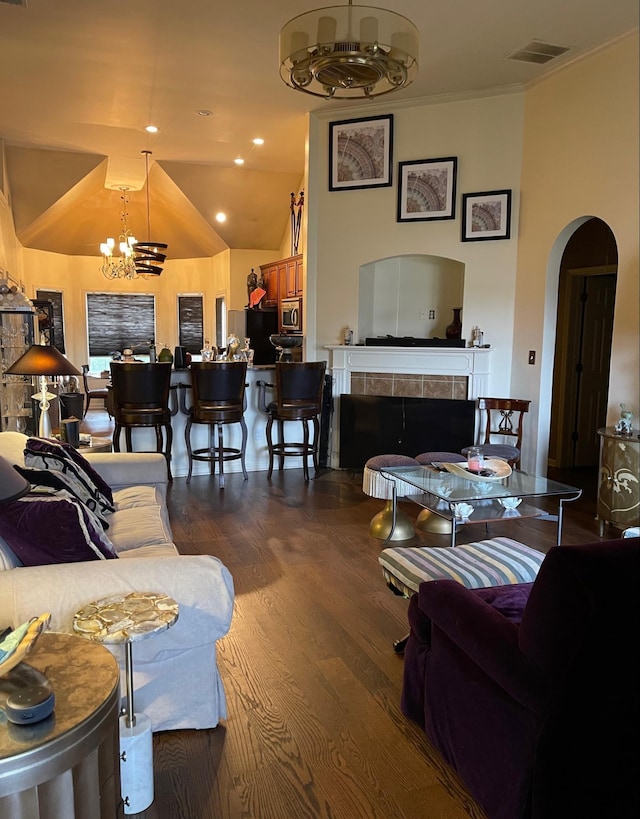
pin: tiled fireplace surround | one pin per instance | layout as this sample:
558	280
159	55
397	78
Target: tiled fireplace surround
456	373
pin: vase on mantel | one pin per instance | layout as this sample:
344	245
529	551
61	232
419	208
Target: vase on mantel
454	330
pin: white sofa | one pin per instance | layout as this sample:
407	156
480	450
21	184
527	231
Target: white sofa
176	680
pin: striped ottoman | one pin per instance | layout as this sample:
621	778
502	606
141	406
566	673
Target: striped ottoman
495	562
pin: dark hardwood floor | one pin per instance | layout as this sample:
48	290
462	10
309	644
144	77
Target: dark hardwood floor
314	726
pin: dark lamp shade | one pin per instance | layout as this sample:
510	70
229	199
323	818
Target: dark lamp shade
12	484
42	359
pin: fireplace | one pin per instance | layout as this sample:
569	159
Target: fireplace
375	425
451	377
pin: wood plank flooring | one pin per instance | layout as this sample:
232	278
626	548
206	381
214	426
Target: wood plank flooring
314	727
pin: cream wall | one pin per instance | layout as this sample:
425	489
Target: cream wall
348	229
580	159
75	276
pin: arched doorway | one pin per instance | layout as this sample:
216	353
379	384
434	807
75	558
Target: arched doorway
586	302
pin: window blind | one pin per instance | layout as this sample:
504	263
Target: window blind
119	320
190	323
55	297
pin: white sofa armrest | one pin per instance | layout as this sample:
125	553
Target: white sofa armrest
121	469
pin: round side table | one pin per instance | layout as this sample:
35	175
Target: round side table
71	757
126	619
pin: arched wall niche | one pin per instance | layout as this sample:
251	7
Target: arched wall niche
412	295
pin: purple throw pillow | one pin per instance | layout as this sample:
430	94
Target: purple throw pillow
44	529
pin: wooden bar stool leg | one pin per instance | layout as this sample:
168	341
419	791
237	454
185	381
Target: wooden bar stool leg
316	440
305	450
187	439
220	452
270	445
244	448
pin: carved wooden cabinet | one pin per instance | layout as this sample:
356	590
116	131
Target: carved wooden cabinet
618	479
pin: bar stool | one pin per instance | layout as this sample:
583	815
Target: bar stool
218	399
140	394
299	387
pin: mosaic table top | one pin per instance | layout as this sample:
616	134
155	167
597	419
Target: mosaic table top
126	618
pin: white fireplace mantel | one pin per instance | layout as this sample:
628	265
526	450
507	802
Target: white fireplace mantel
472	362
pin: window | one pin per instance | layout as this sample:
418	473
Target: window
221	322
190	323
116	321
55	297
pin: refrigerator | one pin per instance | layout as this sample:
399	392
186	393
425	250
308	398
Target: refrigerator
258	325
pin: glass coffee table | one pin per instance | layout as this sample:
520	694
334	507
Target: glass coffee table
444	493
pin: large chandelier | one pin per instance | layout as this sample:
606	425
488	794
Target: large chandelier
136	258
122	266
345	52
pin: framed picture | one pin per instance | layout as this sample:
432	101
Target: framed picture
360	153
427	189
486	215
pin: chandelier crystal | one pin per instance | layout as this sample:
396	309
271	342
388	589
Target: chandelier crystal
122	266
346	52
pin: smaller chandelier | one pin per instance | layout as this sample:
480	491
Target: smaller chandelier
346	52
122	266
149	256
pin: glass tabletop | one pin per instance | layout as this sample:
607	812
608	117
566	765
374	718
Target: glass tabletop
449	487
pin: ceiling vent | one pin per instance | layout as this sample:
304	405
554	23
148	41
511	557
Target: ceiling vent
537	52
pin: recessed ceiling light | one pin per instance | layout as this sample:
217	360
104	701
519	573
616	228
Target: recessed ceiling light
151	129
239	160
258	141
221	217
204	112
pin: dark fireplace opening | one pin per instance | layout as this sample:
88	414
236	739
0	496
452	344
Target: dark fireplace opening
378	425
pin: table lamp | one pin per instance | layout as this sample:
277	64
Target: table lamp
43	360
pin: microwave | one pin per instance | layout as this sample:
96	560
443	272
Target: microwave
291	316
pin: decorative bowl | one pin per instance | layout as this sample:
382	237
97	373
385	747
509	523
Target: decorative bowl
494	470
285	342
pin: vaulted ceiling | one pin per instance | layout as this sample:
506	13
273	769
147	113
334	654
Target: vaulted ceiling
80	80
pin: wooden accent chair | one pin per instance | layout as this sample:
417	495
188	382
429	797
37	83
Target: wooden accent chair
504	418
100	393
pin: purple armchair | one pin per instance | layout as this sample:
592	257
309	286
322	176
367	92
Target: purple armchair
531	692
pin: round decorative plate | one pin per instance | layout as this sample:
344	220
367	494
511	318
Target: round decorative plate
494	470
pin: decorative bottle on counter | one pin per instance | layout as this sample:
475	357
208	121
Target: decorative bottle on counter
153	356
454	330
246	353
206	353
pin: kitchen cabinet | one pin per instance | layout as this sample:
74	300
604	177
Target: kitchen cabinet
283	279
17	334
269	275
618	479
